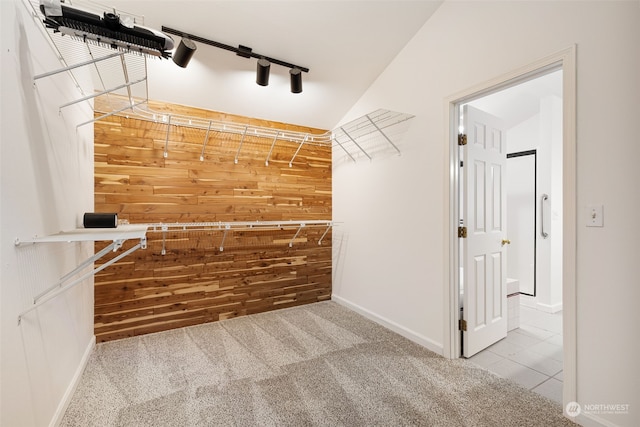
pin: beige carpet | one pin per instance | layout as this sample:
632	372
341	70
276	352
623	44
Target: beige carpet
314	365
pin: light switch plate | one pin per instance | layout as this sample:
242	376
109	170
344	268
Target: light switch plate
595	215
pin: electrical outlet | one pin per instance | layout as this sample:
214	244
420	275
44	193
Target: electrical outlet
595	216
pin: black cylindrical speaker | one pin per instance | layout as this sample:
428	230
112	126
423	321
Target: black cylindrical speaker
262	73
184	52
296	80
100	220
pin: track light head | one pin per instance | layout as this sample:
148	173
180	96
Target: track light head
187	47
184	52
296	80
262	72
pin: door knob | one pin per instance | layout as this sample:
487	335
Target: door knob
506	242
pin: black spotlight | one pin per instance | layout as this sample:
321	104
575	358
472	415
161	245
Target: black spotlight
184	52
296	80
262	73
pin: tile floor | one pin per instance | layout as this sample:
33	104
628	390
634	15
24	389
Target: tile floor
530	355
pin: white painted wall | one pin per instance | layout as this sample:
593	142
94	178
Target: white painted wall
46	185
390	260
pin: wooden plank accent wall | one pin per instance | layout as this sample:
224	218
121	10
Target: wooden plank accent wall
195	282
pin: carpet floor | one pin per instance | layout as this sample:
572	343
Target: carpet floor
314	365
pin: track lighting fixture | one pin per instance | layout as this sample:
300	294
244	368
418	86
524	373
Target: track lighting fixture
184	52
106	30
296	80
262	73
183	55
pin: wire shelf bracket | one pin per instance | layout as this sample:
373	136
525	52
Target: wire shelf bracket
298	150
355	143
244	133
166	141
382	133
104	92
73	67
204	144
224	236
117	235
273	144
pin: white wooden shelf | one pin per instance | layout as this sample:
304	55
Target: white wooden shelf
122	232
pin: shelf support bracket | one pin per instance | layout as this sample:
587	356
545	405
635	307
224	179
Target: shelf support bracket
113	246
166	141
275	138
342	146
204	144
164	239
224	236
298	150
354	141
244	133
125	72
296	235
324	234
95	95
383	134
118	243
81	64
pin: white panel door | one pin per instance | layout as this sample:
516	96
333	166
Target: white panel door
484	215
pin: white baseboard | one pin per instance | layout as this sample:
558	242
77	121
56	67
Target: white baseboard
391	325
66	399
549	308
529	301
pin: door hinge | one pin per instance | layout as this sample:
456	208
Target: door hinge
462	325
462	232
462	139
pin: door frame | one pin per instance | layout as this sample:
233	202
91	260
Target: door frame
566	61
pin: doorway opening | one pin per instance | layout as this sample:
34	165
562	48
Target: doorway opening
565	197
529	348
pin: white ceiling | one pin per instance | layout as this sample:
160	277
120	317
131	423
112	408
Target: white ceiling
346	44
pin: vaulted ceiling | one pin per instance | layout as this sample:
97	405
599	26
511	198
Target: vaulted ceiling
346	44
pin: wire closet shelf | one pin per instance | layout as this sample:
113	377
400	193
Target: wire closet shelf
120	77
